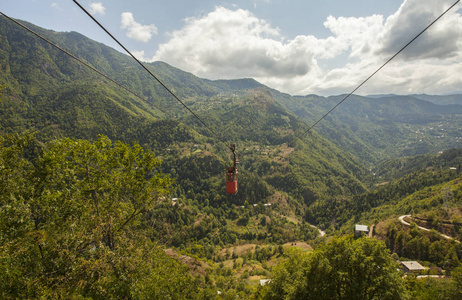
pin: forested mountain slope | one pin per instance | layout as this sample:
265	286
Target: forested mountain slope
288	177
383	127
48	92
442	100
369	128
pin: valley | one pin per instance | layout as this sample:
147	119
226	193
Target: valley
88	173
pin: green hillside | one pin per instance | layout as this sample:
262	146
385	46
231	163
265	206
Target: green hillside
64	99
102	195
385	127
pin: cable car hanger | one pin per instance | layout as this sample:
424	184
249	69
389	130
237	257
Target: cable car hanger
231	173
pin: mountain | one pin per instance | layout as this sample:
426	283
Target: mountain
382	127
441	100
358	165
51	94
370	128
436	99
48	92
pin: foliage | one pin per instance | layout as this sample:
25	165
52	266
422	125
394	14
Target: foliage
400	167
83	219
419	245
50	93
436	288
420	191
342	269
375	128
71	222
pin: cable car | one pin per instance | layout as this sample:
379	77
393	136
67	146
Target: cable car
231	173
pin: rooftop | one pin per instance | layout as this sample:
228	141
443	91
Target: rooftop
361	228
412	265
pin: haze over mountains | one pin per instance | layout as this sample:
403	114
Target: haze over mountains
440	100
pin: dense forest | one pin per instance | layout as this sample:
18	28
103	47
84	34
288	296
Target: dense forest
106	195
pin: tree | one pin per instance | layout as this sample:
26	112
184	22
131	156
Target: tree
343	269
71	222
457	280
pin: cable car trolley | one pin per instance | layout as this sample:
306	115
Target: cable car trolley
231	173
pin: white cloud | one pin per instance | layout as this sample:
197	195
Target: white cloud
136	31
358	34
235	44
426	66
97	8
441	41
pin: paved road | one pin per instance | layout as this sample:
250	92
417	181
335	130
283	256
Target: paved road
401	219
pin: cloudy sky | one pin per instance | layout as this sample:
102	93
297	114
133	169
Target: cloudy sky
324	47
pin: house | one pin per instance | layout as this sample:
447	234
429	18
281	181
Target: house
174	201
265	281
411	266
361	230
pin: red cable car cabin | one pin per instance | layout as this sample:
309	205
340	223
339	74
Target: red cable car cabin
231	174
231	180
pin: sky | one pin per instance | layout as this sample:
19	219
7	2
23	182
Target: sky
300	47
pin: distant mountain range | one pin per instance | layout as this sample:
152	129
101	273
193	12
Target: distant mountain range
436	99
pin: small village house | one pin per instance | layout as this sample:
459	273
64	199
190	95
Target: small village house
361	230
411	266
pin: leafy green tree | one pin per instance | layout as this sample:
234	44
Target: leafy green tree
451	260
343	269
71	222
457	279
430	288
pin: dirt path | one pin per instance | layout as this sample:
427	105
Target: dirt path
401	219
371	231
322	233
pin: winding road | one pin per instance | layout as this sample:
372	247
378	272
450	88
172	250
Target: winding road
401	219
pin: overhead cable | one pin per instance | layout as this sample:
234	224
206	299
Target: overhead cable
82	62
91	67
380	68
152	74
